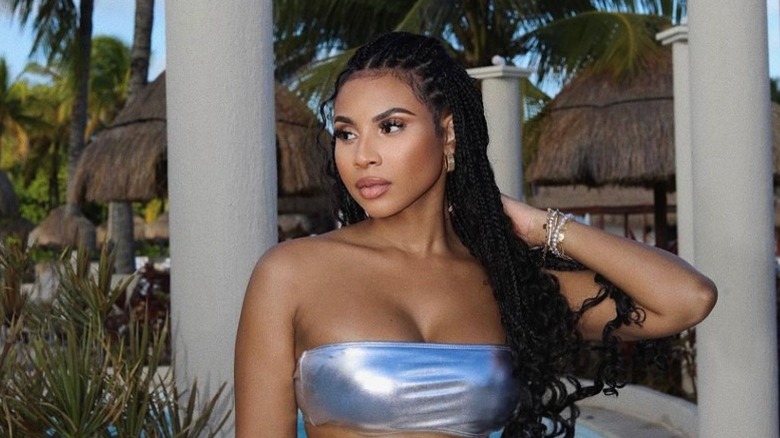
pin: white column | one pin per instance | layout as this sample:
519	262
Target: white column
222	176
504	112
733	223
678	38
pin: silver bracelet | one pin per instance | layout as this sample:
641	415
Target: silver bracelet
555	228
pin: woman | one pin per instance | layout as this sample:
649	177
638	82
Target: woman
441	308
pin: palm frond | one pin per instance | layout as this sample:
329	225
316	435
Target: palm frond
305	31
614	40
53	22
316	82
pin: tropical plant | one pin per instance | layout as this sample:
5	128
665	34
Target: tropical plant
40	177
314	39
774	90
108	81
66	373
120	214
63	32
37	178
12	116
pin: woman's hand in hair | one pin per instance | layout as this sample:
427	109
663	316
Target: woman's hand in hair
673	295
528	221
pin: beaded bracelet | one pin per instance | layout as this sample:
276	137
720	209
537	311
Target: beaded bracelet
555	228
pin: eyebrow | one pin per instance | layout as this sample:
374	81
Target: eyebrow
378	117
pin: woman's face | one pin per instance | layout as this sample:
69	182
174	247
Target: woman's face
387	151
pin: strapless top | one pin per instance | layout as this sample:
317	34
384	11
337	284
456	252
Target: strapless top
378	388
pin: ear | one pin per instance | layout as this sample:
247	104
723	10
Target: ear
448	127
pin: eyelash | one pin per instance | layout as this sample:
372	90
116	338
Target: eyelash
343	134
388	124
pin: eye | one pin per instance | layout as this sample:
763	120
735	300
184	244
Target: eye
343	134
390	126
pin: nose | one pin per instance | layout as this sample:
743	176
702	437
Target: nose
366	154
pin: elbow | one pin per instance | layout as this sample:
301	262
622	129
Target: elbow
703	296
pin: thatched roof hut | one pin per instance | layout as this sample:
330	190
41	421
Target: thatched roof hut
602	130
301	162
127	160
605	130
157	230
608	129
139	231
60	229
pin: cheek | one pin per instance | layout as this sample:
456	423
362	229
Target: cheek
340	160
428	157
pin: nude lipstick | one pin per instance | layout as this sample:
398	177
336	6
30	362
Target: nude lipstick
372	187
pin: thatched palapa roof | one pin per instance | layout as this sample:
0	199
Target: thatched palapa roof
127	161
301	162
605	130
60	229
601	130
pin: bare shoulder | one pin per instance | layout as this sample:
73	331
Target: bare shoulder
296	257
292	264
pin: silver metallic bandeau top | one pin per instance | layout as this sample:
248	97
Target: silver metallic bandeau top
378	388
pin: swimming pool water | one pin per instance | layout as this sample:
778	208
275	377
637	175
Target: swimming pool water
580	431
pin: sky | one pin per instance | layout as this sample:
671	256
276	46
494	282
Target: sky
115	17
111	17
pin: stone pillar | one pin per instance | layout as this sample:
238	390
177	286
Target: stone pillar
733	222
678	38
504	112
222	177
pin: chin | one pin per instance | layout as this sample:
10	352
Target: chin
378	212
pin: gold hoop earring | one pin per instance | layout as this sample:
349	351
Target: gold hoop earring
449	162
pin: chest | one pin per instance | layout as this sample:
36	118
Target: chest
399	300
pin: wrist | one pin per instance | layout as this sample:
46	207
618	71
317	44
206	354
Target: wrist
555	227
535	233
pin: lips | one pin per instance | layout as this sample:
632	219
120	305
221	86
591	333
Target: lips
372	187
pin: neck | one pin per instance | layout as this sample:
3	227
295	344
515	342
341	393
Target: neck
420	233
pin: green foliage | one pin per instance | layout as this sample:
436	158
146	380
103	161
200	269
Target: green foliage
35	124
36	196
153	250
774	90
65	373
13	267
108	81
312	40
615	41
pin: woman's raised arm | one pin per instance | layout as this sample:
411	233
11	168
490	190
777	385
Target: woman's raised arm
672	293
265	352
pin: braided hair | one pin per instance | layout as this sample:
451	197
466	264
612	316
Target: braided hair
539	324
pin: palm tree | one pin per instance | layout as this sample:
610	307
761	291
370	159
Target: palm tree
314	39
50	104
108	82
12	113
64	32
120	214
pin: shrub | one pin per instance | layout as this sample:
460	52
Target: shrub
65	372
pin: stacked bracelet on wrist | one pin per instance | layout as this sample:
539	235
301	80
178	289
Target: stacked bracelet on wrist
554	228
